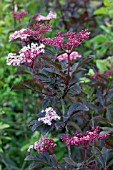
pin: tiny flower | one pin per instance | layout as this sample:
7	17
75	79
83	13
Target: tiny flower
22	34
49	17
13	59
73	56
43	145
26	55
19	15
30	147
49	117
67	40
86	140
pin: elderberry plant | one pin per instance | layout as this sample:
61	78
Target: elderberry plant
55	70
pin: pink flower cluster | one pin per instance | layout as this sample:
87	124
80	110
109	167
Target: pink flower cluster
26	55
37	33
19	15
87	140
67	40
49	17
74	55
49	117
22	34
43	145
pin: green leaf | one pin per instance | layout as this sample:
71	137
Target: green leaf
101	65
3	126
102	10
106	29
99	38
107	2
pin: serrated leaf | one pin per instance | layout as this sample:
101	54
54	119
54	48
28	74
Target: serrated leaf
36	125
21	72
55	64
109	96
84	60
46	157
47	168
76	89
45	129
109	144
33	158
76	107
28	84
33	122
70	161
54	71
35	165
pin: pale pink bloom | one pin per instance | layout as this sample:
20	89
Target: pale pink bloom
43	145
49	117
13	59
49	17
30	147
19	34
73	56
26	55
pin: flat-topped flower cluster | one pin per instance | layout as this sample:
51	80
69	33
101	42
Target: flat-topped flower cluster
86	141
49	117
26	55
43	145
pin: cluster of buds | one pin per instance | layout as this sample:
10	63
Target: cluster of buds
43	145
67	40
86	141
26	55
73	56
49	116
19	15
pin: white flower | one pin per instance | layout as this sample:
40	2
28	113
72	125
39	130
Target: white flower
49	117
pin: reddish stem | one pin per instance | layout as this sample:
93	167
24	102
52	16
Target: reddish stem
85	155
62	168
68	75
